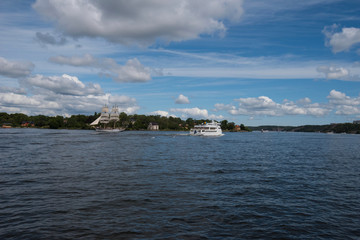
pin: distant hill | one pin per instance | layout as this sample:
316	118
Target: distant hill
335	128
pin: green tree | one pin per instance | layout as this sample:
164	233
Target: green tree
231	126
54	123
190	122
40	120
224	124
4	117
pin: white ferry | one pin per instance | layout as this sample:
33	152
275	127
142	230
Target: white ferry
212	129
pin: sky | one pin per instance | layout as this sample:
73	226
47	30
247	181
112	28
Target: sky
252	62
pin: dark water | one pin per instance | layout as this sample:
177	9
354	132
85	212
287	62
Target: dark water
62	184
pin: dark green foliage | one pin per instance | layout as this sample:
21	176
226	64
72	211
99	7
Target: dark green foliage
130	122
224	124
56	122
229	126
141	122
244	128
335	128
40	120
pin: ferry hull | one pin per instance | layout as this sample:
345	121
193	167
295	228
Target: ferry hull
207	134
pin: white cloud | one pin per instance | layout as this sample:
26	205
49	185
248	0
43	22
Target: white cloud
132	71
339	102
341	41
138	21
340	99
12	109
347	110
56	104
343	104
261	102
304	101
125	104
162	114
60	95
182	100
65	84
13	99
333	72
13	90
15	69
338	73
223	107
265	106
195	113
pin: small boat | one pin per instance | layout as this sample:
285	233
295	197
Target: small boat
212	129
107	122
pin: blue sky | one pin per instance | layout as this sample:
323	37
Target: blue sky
254	62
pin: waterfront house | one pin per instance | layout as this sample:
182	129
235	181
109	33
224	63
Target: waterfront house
153	126
27	124
6	125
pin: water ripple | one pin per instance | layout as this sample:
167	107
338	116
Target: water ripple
61	184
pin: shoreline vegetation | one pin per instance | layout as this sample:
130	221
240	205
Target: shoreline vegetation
129	122
141	122
348	128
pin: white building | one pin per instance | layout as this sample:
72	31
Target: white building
153	126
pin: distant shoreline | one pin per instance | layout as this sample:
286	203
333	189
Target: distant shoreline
142	122
353	128
341	128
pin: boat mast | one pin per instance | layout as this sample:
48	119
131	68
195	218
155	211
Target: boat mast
105	117
114	115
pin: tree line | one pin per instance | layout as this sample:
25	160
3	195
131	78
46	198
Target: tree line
130	122
328	128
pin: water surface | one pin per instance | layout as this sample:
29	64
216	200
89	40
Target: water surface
69	184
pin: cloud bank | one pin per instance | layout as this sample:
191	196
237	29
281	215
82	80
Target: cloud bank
140	22
265	106
162	113
337	73
14	69
59	95
132	71
195	113
343	104
338	102
65	84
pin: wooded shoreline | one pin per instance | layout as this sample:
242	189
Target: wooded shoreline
141	122
350	128
129	122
